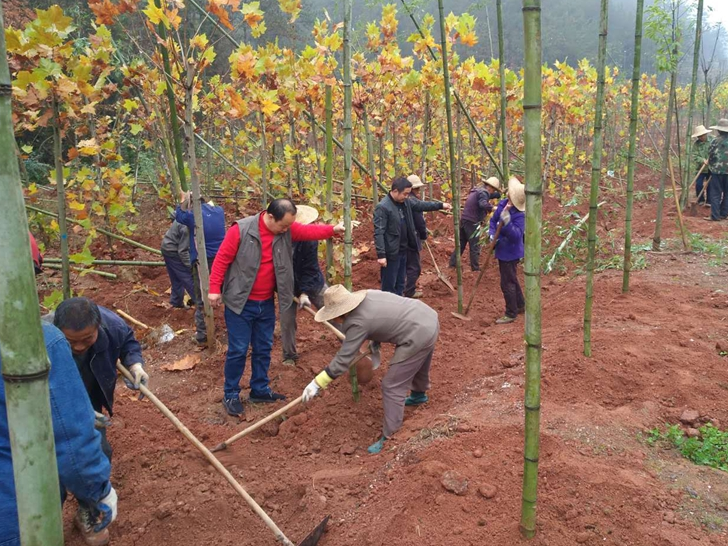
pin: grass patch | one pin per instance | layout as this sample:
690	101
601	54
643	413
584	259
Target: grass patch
708	449
717	250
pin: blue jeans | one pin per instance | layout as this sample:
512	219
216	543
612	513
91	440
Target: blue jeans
718	196
254	326
180	276
395	274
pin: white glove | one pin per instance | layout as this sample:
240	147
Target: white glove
101	421
310	392
505	217
303	301
107	508
376	356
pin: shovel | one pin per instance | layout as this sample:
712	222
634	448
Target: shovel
160	335
440	276
252	428
491	247
311	539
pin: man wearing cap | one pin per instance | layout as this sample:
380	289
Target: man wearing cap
477	207
308	284
394	232
414	266
382	317
700	157
213	227
509	247
718	165
254	261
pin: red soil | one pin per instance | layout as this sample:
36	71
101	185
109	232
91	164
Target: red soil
654	355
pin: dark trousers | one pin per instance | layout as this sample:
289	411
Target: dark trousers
699	183
394	275
253	326
180	276
511	288
200	325
289	326
467	232
718	196
414	268
105	445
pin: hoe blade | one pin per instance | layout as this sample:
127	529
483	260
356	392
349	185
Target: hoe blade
315	535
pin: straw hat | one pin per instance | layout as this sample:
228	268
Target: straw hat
517	193
494	183
338	301
306	214
700	130
722	126
415	181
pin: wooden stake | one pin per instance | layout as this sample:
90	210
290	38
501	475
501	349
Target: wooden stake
677	205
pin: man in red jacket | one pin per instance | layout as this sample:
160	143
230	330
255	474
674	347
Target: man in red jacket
254	260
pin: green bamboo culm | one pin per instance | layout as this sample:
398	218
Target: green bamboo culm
61	198
347	170
532	261
503	95
25	363
631	158
691	105
329	167
169	84
370	155
426	143
263	161
596	174
454	180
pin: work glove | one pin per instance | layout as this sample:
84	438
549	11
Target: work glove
140	378
101	421
107	510
376	356
303	301
505	217
321	381
495	195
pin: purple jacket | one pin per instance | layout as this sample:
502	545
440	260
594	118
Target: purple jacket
477	206
510	241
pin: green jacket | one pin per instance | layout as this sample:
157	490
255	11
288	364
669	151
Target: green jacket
700	154
718	154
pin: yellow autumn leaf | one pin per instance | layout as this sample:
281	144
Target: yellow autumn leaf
155	14
291	7
75	205
88	147
268	107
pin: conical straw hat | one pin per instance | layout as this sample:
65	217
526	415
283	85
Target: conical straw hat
415	181
722	126
700	130
493	182
339	301
517	193
306	214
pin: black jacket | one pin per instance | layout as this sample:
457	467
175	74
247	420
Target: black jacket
420	224
386	224
307	275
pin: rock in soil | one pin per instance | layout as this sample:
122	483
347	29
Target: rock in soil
477	453
487	491
454	482
669	517
692	432
582	537
164	510
689	417
348	449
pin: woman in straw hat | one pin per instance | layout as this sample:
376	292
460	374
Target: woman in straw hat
718	163
382	317
699	157
509	247
308	284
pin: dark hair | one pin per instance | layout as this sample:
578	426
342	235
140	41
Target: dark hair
278	208
400	184
77	314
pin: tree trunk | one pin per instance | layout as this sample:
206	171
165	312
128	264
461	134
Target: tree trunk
596	174
61	194
454	180
25	363
503	95
532	263
634	113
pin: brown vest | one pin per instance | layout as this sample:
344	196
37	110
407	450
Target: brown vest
241	274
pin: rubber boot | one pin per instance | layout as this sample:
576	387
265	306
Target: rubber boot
416	398
377	446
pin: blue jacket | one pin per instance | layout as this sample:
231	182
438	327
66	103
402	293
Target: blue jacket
213	226
116	341
510	241
82	468
307	275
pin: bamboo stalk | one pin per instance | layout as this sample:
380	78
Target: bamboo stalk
503	95
454	181
57	266
135	263
596	174
61	197
532	263
693	89
425	143
100	230
329	134
370	155
686	245
263	161
25	364
631	158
